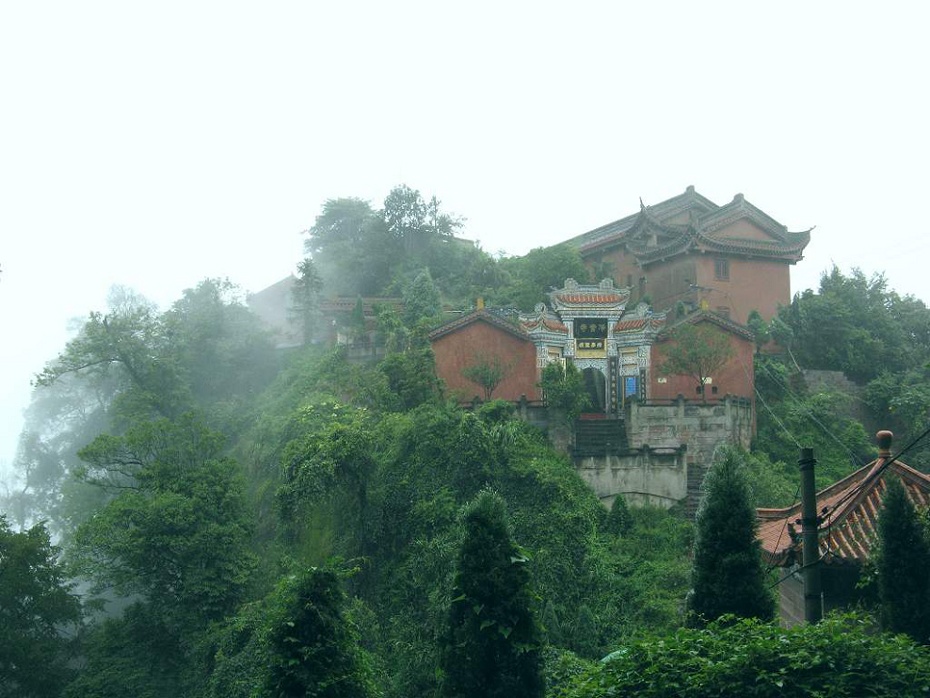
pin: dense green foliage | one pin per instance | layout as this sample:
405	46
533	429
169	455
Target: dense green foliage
837	658
619	521
881	340
531	277
903	566
38	613
859	326
492	644
728	577
564	388
362	251
175	529
207	353
219	482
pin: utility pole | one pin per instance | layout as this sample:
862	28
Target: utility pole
813	604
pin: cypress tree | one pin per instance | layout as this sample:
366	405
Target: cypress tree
903	565
727	574
313	651
492	644
619	520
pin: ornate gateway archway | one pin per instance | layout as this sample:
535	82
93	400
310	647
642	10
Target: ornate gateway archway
590	326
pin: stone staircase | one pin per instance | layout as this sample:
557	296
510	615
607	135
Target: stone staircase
600	437
696	473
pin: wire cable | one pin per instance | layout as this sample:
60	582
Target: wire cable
877	474
810	415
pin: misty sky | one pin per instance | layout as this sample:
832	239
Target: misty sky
156	144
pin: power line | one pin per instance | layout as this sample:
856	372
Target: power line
871	477
810	415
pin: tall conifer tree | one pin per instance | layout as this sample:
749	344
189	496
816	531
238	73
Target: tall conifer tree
312	648
727	576
903	565
492	646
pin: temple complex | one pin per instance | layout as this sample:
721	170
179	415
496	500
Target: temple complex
730	259
650	432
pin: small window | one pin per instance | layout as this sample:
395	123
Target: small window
723	311
722	269
713	390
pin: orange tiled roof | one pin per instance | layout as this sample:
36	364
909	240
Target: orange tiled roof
655	322
629	325
478	316
591	298
849	513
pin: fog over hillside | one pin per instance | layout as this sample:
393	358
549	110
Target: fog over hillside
126	162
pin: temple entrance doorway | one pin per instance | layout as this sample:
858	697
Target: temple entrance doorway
595	383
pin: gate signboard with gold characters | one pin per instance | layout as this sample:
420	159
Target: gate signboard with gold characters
590	338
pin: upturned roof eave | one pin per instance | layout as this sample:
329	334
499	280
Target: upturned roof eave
611	233
852	543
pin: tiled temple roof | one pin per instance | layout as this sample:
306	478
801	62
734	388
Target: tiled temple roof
637	324
651	236
591	298
849	512
601	297
545	322
481	315
665	210
724	323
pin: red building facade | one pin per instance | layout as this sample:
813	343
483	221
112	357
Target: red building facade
730	259
483	336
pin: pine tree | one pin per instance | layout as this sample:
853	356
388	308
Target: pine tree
492	645
903	566
727	574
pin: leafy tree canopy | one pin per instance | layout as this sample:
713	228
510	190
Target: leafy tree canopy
564	388
38	611
311	649
487	371
697	350
858	325
175	529
538	272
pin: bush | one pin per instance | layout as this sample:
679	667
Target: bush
841	656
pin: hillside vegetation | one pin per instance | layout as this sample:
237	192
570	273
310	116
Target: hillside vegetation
246	521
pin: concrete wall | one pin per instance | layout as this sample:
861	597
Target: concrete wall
643	476
671	448
701	427
838	584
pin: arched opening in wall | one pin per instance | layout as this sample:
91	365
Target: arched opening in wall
595	383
